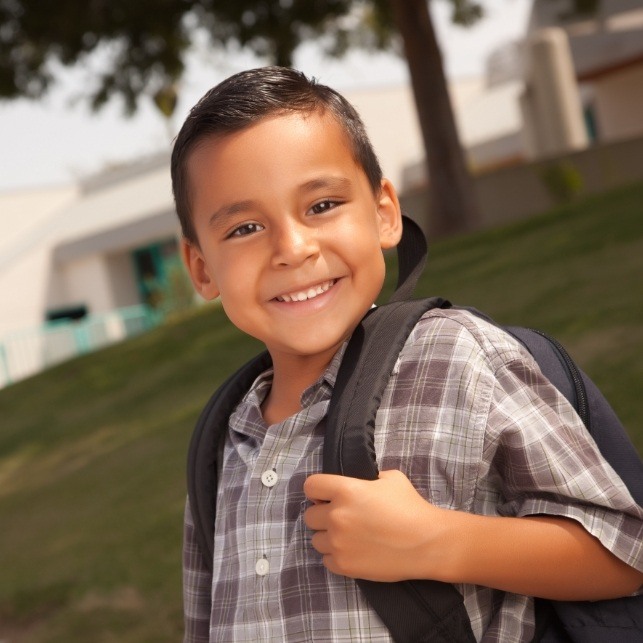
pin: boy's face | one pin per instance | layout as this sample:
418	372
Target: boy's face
289	232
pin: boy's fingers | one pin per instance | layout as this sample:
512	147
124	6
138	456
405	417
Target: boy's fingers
319	541
316	517
322	487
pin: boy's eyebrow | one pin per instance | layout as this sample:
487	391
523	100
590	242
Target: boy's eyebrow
320	183
326	182
230	209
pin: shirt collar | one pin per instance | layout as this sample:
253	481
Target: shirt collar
321	389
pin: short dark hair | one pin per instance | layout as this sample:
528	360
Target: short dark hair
244	99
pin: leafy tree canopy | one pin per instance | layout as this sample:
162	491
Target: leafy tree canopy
144	42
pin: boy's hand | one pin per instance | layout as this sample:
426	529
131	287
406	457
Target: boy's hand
384	530
372	529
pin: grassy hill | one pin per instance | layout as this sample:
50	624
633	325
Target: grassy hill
92	452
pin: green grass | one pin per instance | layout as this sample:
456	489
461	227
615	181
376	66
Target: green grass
92	452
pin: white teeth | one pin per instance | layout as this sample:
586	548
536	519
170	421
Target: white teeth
311	293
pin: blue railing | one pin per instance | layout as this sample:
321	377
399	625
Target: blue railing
27	352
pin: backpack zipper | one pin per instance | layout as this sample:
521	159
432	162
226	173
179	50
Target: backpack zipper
579	385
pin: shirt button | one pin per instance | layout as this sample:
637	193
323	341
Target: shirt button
262	567
269	478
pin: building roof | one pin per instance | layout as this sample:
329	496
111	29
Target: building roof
600	44
119	209
602	53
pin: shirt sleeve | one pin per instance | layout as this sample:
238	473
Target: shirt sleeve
545	462
197	586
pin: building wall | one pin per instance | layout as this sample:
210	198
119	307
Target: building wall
23	290
29	220
553	120
391	122
390	117
518	192
88	282
25	213
618	104
123	279
101	282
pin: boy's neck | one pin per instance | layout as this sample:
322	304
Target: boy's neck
292	376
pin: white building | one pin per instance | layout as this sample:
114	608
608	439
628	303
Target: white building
91	254
607	58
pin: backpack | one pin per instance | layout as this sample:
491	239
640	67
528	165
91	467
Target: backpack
422	610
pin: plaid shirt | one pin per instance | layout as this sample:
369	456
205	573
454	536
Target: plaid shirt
468	417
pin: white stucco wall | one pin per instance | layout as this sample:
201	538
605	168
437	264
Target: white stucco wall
123	278
101	282
88	282
30	220
482	114
25	212
618	104
392	125
489	122
23	290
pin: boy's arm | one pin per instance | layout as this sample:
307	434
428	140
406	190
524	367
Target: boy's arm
544	556
384	530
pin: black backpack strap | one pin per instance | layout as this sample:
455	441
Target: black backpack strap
411	259
363	375
614	443
208	434
414	611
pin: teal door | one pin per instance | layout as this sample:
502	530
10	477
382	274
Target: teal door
154	265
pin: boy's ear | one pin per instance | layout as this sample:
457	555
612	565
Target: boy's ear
389	216
198	270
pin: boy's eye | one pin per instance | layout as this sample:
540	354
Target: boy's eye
323	206
246	229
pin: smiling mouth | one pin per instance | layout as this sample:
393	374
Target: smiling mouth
309	293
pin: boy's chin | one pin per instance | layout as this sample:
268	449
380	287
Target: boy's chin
309	347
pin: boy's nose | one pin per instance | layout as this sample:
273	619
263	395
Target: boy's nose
294	243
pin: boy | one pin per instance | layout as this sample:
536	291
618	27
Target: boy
489	480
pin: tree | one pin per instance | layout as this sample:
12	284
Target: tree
145	42
454	207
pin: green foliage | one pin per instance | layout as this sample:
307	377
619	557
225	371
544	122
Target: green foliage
179	295
145	42
563	181
92	452
466	12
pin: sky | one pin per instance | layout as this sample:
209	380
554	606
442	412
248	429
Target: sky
58	139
